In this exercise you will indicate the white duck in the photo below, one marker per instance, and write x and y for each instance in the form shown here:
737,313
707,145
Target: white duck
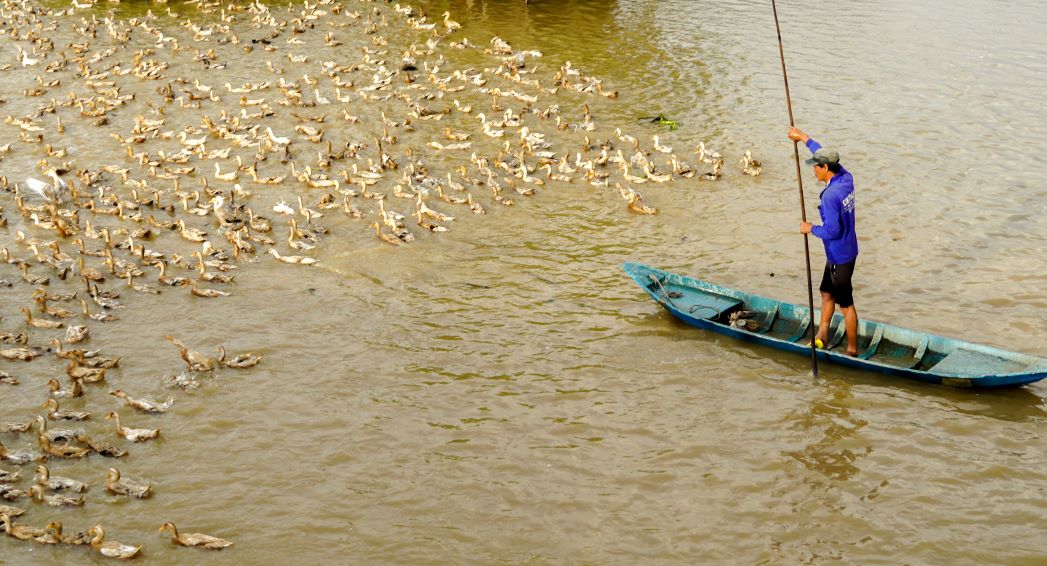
110,549
53,192
144,404
132,434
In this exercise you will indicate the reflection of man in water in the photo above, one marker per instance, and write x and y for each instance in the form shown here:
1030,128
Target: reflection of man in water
838,236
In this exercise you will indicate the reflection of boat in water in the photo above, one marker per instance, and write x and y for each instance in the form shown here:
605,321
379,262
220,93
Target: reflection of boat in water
882,347
828,421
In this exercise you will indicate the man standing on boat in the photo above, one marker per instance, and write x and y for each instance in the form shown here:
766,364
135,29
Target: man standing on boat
838,236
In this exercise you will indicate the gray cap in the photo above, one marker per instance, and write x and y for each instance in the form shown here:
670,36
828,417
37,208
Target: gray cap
824,156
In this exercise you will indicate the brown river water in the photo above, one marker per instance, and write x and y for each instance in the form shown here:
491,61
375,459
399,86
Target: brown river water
502,392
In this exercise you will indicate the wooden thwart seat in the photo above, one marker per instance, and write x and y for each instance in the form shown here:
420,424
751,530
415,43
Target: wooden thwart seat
837,337
802,328
766,319
921,351
873,344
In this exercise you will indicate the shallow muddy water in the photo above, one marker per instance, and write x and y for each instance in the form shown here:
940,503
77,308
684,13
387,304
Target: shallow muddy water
502,392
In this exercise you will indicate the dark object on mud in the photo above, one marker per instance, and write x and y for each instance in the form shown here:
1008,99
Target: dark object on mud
661,120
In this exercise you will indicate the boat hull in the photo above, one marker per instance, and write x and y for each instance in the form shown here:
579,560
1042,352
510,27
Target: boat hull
883,348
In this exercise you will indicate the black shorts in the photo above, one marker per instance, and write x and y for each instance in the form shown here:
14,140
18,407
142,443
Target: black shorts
837,282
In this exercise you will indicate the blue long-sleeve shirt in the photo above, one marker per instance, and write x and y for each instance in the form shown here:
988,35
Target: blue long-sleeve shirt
836,208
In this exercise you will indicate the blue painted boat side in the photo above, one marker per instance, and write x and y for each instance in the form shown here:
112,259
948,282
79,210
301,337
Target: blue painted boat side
960,363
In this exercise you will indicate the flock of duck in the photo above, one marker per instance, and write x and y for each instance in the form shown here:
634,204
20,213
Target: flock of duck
47,489
173,192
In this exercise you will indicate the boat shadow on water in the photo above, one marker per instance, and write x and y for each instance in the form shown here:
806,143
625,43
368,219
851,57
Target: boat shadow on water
1016,404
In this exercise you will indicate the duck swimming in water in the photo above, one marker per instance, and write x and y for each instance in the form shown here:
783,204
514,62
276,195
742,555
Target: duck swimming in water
20,532
11,493
16,427
191,234
9,338
75,389
428,225
41,298
101,448
54,192
299,259
388,238
195,361
659,147
102,316
259,223
49,536
57,413
141,287
110,549
90,359
132,434
451,25
206,293
172,281
39,322
75,334
195,539
61,450
11,511
749,165
144,405
57,483
635,201
117,486
24,353
90,273
56,500
240,361
54,435
19,458
33,279
55,529
204,275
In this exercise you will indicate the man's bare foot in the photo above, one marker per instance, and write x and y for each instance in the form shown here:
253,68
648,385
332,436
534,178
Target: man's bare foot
853,354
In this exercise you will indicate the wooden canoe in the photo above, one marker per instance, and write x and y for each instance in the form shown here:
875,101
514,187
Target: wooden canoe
881,347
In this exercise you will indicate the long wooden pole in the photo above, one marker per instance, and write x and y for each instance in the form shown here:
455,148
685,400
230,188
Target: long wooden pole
799,184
